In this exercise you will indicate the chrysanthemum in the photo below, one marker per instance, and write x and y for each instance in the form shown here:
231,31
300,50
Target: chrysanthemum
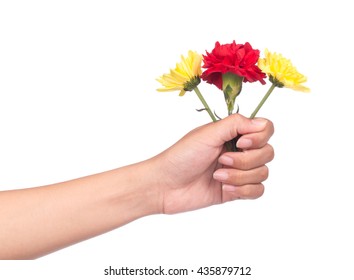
186,75
281,72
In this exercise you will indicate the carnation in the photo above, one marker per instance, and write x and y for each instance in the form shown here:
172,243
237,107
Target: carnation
239,59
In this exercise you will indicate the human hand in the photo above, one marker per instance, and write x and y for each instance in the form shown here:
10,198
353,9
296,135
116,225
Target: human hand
197,172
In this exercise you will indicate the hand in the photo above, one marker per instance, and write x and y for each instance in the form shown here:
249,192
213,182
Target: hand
197,172
193,173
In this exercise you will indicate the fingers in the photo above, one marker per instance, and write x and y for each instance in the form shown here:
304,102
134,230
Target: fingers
241,177
251,191
248,159
242,173
257,139
258,130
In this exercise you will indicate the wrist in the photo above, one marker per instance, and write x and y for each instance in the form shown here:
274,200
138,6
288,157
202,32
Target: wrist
137,185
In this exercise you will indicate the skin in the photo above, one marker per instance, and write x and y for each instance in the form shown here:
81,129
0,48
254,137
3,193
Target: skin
195,172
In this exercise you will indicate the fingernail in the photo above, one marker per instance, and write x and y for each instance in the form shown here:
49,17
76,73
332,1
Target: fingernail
259,122
220,175
244,143
228,188
226,160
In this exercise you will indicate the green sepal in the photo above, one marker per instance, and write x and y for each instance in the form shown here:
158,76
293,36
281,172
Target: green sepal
231,86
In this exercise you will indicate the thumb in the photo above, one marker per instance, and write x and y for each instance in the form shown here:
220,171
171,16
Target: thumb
236,124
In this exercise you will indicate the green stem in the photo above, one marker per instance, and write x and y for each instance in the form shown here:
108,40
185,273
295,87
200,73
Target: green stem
229,112
262,101
206,106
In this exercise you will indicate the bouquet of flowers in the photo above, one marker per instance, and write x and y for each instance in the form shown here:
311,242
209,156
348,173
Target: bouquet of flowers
227,67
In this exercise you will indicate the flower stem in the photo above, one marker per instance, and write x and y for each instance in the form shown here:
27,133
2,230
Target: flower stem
206,106
263,100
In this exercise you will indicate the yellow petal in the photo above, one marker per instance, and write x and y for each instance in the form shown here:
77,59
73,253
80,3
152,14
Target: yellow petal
281,68
184,72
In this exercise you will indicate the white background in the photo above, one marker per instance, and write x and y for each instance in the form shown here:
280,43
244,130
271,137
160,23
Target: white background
78,96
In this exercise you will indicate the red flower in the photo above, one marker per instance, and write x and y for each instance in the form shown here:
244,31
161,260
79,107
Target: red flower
238,59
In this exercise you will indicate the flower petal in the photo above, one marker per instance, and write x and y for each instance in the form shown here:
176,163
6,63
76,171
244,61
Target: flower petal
184,73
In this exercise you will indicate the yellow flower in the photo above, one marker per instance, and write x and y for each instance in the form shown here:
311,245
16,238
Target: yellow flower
186,75
281,72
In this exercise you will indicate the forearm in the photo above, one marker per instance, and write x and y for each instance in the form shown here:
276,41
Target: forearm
40,220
